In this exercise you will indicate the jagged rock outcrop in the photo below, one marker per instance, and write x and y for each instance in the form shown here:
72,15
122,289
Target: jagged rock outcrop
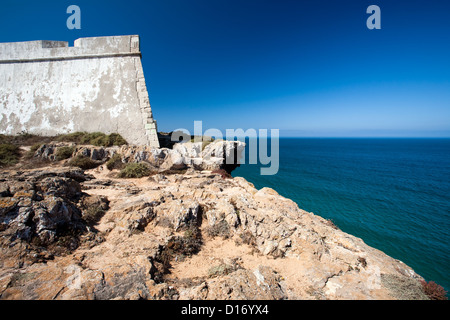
216,155
39,209
182,236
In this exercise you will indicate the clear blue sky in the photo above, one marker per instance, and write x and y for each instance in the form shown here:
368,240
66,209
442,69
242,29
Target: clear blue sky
309,68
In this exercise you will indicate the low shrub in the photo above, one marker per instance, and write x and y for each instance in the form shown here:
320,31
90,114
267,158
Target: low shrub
115,162
187,245
72,137
94,138
434,291
173,171
9,154
219,229
135,170
35,147
220,270
102,140
116,139
27,139
94,208
248,238
63,153
83,162
24,139
177,248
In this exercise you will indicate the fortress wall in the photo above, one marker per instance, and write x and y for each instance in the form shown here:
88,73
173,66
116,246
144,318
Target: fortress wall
49,88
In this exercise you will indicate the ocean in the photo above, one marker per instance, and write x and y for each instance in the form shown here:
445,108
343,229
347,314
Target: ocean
392,193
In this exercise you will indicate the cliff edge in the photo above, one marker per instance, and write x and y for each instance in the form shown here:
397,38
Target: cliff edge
73,234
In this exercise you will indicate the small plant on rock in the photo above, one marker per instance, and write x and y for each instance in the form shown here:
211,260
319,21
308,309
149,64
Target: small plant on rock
94,138
83,162
115,162
116,139
33,149
63,153
219,229
434,291
9,154
135,170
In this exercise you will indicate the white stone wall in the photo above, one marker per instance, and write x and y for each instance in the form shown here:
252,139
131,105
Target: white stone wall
49,88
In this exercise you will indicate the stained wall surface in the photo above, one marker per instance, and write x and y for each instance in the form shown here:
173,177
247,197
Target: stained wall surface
49,88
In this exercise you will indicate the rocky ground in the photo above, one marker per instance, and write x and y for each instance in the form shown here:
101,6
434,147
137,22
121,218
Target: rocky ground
71,234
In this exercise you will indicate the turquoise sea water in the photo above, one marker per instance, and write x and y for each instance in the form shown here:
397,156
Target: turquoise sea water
392,193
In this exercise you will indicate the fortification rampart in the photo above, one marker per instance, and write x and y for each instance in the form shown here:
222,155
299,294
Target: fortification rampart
49,88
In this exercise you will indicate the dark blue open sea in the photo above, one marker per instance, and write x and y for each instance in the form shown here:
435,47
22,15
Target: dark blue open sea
392,193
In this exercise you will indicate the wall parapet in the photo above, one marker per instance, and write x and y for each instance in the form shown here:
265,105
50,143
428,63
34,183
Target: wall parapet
84,48
49,88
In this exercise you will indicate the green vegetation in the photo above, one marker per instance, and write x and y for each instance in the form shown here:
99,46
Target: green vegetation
9,154
93,208
19,278
10,147
116,139
35,147
403,287
115,162
186,246
83,162
220,270
93,214
63,153
95,138
76,137
219,229
24,139
135,170
30,154
173,171
177,248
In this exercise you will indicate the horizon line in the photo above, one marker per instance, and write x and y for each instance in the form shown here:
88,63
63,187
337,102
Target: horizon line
347,137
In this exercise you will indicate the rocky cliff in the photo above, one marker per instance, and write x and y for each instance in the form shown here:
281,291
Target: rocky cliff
73,234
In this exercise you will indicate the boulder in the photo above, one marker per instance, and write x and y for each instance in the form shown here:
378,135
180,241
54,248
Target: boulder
216,155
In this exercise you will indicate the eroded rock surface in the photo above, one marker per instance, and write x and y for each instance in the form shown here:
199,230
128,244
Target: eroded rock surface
196,155
66,234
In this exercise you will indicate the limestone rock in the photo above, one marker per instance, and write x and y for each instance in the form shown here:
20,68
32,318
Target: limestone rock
216,155
41,208
190,236
263,283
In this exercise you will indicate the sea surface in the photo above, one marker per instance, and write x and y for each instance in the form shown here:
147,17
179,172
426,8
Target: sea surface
392,193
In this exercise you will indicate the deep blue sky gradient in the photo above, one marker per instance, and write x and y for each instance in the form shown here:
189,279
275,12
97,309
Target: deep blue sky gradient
308,68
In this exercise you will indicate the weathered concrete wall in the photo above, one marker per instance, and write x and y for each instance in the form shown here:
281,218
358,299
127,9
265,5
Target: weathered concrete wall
48,88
